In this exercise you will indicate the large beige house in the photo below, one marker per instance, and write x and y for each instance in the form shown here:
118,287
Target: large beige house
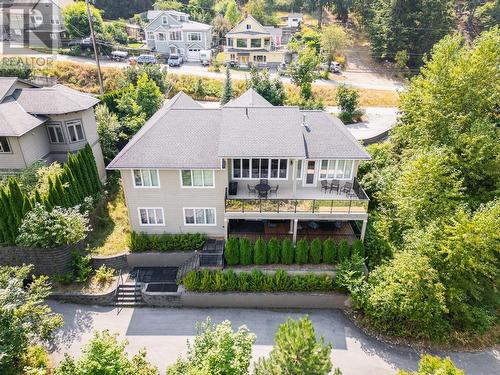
251,44
246,168
44,124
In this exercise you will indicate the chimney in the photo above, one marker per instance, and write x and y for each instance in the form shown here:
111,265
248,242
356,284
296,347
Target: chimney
304,123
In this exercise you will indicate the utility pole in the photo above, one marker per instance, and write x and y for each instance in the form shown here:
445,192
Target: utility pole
92,35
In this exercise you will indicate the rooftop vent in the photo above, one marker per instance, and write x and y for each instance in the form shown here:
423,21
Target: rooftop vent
304,123
246,112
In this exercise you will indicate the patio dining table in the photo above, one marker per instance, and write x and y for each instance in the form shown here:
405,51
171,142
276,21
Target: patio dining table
262,189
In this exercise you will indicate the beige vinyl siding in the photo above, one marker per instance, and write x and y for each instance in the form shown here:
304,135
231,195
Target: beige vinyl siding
89,128
173,199
35,144
14,159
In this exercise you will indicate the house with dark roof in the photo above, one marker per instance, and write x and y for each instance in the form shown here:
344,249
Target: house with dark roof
245,169
44,123
35,23
251,44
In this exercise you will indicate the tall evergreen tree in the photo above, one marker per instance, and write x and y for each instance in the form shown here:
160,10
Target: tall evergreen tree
16,198
227,90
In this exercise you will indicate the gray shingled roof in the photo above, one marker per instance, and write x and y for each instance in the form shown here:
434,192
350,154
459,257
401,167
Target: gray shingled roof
327,135
182,134
5,85
261,131
14,121
54,100
249,98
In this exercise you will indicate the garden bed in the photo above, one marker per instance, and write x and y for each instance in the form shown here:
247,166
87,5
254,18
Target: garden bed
88,293
292,269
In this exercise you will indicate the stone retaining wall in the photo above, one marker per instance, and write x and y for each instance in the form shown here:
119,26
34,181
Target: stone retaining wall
161,299
45,261
113,261
104,299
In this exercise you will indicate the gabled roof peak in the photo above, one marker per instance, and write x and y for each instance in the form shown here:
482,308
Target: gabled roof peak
249,98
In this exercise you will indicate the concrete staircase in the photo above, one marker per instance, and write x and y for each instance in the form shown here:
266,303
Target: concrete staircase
129,295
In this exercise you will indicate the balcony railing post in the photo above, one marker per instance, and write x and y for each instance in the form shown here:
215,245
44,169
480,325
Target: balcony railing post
350,203
278,206
295,208
260,205
314,204
242,206
331,206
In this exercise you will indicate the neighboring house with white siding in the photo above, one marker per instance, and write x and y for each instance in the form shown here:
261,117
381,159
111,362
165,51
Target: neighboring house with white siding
44,124
247,168
171,32
35,23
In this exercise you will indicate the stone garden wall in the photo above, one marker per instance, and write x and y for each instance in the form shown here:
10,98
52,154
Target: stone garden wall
45,261
113,261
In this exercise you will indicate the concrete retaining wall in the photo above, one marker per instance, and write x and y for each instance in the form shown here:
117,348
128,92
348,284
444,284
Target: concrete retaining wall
114,261
292,300
45,261
173,259
266,300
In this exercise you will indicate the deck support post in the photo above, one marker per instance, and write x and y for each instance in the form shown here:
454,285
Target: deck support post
291,227
226,228
295,225
363,230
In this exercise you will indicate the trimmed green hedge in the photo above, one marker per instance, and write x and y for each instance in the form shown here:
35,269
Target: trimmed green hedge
241,251
228,281
139,242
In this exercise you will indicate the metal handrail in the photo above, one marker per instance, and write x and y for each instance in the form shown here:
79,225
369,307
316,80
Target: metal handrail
187,266
120,278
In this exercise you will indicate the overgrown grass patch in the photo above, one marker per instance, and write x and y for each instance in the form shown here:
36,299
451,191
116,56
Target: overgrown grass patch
111,229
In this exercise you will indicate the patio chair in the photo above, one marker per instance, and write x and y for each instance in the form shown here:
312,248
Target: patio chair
251,189
274,190
324,185
347,188
335,184
264,181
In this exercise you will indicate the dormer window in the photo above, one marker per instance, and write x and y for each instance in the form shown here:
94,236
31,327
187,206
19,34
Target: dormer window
164,20
249,27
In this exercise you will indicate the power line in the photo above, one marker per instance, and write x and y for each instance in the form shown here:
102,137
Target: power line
91,25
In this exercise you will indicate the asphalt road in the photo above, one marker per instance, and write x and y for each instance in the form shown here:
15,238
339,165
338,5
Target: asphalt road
164,332
358,74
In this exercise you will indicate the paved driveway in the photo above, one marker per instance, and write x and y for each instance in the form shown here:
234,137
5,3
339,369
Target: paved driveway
163,332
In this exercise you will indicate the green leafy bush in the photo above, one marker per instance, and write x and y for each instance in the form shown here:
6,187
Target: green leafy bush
329,251
343,251
358,247
36,360
302,252
274,251
232,251
246,254
255,281
260,252
166,242
315,254
63,278
82,267
47,229
104,275
287,253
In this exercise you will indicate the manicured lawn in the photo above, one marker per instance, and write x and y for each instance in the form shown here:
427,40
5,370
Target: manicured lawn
110,233
135,45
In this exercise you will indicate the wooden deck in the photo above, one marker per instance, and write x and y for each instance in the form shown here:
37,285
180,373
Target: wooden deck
281,230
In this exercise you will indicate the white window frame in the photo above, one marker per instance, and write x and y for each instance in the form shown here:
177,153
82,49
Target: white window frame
249,26
156,219
55,125
159,38
175,32
268,169
150,35
204,215
142,178
2,151
330,168
298,175
203,178
164,20
189,34
74,123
